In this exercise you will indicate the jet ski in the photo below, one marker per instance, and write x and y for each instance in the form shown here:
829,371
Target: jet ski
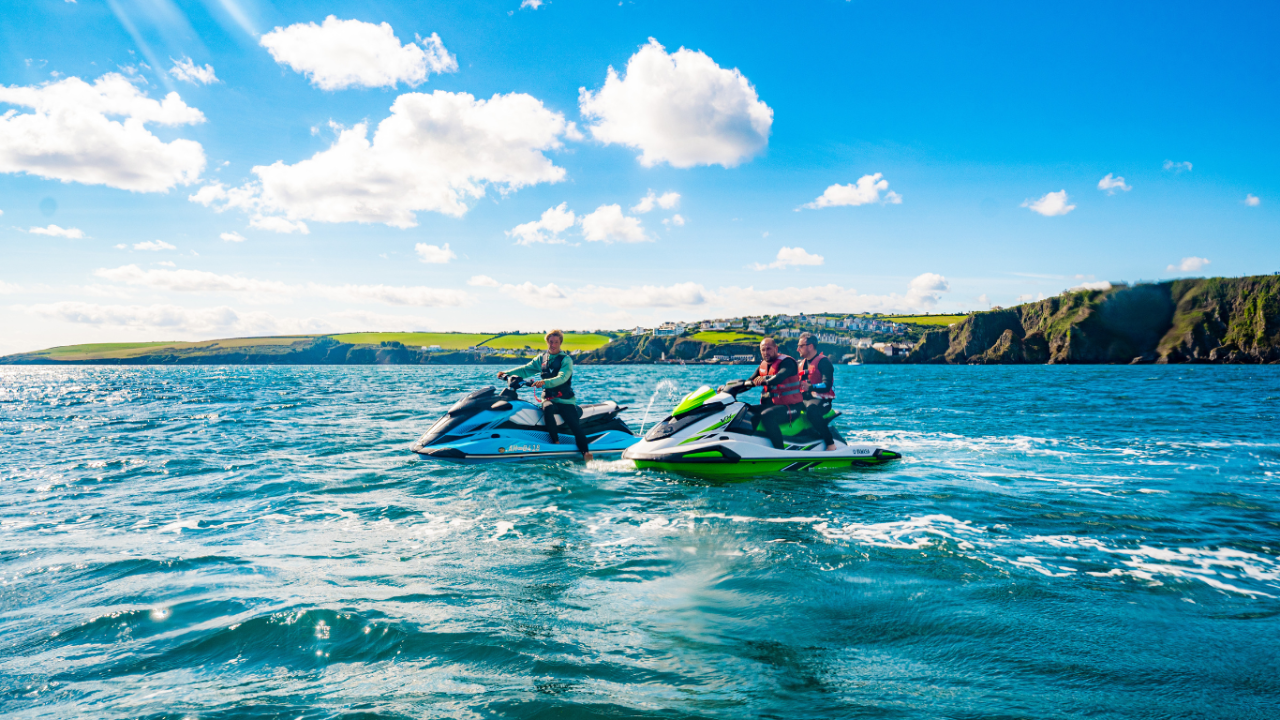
487,426
713,434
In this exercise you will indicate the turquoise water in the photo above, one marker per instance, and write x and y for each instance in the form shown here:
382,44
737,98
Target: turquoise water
256,542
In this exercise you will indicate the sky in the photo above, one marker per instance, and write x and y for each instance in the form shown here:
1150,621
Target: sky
214,168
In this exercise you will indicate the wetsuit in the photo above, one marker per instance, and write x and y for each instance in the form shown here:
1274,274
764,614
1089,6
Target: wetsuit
780,398
556,372
821,375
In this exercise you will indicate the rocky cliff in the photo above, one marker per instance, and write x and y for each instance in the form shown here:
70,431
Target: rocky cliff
1217,320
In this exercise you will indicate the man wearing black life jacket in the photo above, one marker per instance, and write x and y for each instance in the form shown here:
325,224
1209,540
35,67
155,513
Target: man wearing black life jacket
817,382
555,370
780,398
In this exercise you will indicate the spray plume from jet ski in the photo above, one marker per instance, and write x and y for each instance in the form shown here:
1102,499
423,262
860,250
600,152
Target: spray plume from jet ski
713,434
487,426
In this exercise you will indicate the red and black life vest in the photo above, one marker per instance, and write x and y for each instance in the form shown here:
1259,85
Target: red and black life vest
784,392
809,371
550,369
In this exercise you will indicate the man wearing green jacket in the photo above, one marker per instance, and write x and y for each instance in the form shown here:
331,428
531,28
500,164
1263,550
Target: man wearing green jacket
555,372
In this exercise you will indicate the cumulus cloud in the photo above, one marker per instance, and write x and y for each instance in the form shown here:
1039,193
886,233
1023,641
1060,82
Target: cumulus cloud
340,54
679,108
790,257
608,224
232,237
687,294
1051,204
925,290
214,320
866,191
1177,167
677,220
434,255
546,229
1252,200
482,281
153,246
1095,285
187,71
278,224
1112,184
1189,264
666,201
9,288
526,293
433,152
71,135
531,4
55,231
200,281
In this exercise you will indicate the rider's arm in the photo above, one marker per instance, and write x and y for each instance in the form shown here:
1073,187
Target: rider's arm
828,372
785,370
752,380
532,369
566,372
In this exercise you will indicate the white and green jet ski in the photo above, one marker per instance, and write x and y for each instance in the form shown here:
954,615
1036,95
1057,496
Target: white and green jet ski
713,434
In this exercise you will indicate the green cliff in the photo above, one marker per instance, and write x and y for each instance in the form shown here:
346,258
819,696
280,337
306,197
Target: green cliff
1213,320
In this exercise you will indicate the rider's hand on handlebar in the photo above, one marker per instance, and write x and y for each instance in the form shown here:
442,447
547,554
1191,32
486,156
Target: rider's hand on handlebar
539,383
502,374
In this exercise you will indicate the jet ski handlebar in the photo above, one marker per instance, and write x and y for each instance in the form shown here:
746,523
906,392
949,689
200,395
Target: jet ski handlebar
733,387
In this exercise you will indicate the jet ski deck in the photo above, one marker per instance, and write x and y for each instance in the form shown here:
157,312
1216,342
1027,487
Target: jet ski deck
713,434
486,426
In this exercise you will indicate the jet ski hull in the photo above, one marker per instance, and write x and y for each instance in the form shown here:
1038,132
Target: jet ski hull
523,446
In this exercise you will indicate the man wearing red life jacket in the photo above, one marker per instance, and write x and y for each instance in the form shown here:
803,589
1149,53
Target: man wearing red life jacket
780,399
817,381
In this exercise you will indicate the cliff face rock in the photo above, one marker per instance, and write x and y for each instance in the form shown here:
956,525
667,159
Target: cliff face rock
1235,320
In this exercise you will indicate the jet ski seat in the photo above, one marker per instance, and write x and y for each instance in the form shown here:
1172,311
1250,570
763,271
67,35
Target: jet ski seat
592,411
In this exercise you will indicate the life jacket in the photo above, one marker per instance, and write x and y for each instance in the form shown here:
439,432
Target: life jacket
809,371
783,392
550,369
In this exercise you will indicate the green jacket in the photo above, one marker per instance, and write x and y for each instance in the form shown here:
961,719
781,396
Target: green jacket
534,369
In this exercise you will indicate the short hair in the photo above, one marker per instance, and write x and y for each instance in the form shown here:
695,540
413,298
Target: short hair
768,339
555,333
806,338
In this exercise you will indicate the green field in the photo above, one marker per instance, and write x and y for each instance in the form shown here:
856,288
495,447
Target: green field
446,341
572,341
723,337
927,319
95,351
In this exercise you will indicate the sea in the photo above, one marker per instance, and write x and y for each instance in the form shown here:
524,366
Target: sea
259,542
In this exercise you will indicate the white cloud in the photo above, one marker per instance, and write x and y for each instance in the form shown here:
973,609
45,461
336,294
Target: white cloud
1252,200
433,152
9,288
790,257
526,293
158,317
666,201
153,246
984,300
687,294
924,290
55,231
1177,167
608,224
434,255
188,71
680,108
482,281
1111,185
278,224
339,54
71,136
1189,264
531,4
677,220
1051,204
233,237
546,229
866,191
1096,285
200,281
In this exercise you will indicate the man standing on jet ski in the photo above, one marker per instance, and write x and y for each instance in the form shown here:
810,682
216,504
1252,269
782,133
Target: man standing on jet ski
780,399
817,383
555,370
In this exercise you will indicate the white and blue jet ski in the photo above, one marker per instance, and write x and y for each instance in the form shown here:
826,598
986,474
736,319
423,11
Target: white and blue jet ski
487,426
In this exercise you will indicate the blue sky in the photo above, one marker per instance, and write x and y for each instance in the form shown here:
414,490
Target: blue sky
942,137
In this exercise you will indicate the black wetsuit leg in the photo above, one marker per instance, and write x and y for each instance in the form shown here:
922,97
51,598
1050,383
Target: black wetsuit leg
814,409
570,415
772,418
